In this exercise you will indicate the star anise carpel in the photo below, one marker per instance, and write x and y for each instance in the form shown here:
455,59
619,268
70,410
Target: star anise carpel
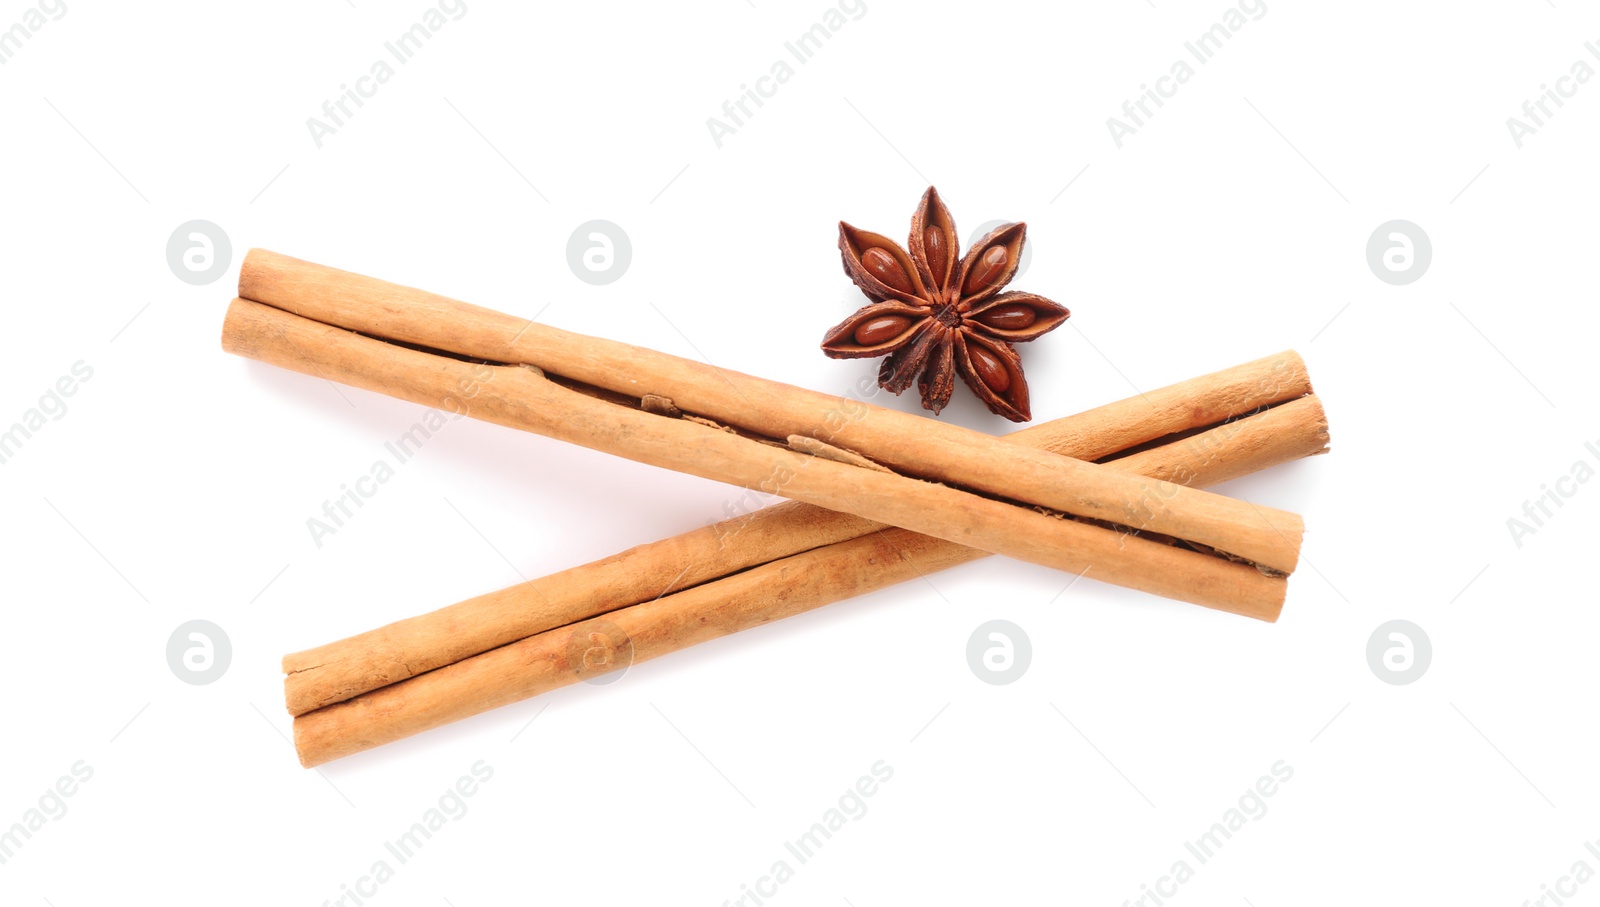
936,314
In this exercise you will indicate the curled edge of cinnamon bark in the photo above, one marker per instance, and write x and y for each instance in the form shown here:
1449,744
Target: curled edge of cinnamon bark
781,588
908,444
346,668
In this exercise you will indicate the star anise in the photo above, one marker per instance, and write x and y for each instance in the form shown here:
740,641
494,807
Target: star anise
935,317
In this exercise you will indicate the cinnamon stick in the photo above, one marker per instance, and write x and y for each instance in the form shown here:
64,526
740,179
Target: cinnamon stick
908,444
525,398
784,587
340,670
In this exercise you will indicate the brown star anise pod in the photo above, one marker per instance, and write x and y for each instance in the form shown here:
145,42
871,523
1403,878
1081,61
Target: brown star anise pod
934,316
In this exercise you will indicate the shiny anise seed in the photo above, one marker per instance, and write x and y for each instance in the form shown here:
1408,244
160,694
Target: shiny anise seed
887,269
933,243
1013,316
883,328
990,369
986,269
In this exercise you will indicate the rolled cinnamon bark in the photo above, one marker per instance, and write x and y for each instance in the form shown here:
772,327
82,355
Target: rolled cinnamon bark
524,398
908,444
340,670
781,588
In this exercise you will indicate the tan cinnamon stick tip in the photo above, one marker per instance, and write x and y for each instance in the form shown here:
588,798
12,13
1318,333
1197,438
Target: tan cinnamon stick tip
1271,611
252,269
258,267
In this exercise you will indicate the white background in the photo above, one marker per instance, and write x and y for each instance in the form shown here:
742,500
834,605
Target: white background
1233,224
